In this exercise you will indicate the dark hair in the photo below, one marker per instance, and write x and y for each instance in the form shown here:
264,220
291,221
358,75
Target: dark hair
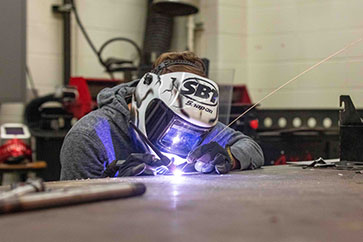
196,65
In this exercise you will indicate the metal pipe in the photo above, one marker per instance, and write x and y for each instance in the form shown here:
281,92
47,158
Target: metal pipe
66,44
69,196
176,7
190,28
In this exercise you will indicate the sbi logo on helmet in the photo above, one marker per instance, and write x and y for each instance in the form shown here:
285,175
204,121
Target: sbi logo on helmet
200,90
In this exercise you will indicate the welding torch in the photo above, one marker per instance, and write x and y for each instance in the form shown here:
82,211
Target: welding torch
164,159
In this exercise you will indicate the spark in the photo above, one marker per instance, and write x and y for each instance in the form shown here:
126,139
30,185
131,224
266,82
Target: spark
177,177
177,172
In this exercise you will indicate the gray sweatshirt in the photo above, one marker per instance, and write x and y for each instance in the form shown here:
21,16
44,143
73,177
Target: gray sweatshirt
103,136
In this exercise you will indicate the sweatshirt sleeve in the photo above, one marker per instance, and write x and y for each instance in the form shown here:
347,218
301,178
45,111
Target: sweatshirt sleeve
243,148
81,157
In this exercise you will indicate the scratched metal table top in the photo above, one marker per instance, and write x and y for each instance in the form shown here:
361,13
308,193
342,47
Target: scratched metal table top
271,204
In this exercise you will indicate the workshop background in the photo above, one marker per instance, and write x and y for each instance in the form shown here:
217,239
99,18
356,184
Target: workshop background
256,45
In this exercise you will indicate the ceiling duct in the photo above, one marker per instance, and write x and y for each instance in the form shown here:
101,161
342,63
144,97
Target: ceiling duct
176,7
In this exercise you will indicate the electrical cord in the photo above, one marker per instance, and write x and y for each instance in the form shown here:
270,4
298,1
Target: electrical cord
98,53
103,46
31,81
83,30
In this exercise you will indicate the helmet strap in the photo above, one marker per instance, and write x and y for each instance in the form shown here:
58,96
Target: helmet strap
165,64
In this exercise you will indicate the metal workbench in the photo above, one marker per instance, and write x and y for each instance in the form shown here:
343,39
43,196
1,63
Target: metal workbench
277,203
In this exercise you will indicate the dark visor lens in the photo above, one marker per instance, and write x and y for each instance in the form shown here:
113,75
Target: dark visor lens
181,138
170,133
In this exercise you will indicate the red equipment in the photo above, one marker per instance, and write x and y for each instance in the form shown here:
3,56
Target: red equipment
240,95
88,88
15,151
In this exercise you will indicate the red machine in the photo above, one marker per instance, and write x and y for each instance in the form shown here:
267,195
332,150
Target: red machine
15,151
87,88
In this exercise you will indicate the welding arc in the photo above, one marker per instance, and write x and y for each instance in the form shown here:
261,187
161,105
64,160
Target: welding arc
291,80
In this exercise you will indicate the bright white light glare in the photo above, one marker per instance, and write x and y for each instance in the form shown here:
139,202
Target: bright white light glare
176,139
177,177
177,172
176,159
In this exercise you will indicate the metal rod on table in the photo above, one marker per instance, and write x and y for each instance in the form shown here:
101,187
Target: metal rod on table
30,186
62,197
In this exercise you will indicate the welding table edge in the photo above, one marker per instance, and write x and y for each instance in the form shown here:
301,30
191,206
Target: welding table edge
99,181
259,177
249,200
265,170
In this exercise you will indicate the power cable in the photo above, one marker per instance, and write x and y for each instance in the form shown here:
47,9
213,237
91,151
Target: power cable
83,30
31,81
98,53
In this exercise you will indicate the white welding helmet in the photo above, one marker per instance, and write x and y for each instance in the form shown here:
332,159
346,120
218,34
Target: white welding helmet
175,110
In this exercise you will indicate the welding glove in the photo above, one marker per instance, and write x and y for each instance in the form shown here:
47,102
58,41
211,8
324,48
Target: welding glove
134,165
211,157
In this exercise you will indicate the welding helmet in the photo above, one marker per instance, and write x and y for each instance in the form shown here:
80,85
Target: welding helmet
175,110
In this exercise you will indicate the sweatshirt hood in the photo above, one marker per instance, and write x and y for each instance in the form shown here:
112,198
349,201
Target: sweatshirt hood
114,99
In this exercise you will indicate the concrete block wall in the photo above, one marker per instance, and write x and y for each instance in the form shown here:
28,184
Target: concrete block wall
268,42
102,19
44,53
224,39
285,37
264,43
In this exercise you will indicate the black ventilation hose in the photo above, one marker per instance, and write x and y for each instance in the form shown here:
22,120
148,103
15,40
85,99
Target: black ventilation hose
93,47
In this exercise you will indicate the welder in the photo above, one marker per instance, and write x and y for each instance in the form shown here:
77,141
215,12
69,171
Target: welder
171,111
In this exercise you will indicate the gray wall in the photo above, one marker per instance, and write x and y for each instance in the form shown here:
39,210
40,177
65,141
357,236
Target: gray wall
12,50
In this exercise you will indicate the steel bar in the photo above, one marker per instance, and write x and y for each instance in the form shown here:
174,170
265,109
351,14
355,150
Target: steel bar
69,196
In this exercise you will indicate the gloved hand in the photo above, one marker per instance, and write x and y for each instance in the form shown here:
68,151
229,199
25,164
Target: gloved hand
134,165
211,157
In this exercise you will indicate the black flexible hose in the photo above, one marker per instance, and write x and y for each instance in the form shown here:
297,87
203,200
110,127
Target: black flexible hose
98,53
119,39
83,30
31,81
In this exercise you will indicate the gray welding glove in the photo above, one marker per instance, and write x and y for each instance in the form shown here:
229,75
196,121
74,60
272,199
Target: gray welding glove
210,157
134,165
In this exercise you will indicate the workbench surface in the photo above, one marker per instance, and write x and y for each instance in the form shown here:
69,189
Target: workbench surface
280,203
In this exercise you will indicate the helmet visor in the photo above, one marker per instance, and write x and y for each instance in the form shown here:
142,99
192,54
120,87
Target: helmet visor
169,132
180,137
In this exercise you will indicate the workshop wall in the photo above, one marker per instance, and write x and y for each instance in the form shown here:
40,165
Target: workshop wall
224,39
267,43
220,36
285,37
263,42
44,54
102,20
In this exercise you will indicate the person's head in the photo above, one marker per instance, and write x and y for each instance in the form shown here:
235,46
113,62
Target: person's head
175,105
185,61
